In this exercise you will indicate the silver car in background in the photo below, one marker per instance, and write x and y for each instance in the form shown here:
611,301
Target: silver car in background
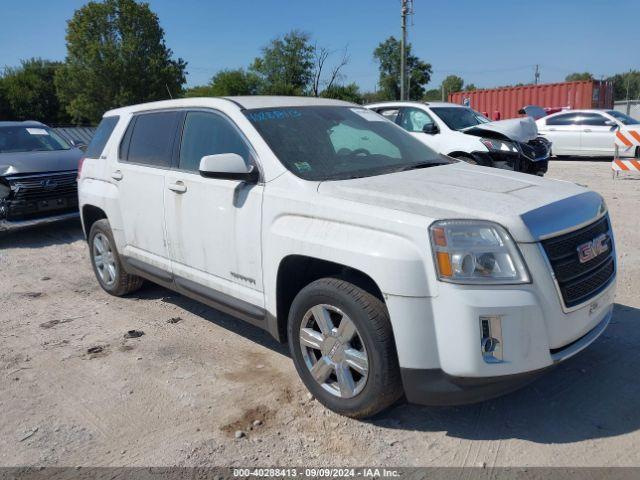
586,133
38,170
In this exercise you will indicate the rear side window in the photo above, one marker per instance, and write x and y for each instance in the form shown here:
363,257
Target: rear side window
390,114
101,137
414,119
566,119
150,139
208,134
593,119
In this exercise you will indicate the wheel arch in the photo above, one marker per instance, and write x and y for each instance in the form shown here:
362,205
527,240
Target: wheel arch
90,215
297,271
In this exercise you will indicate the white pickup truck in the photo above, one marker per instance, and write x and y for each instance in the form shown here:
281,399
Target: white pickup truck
390,270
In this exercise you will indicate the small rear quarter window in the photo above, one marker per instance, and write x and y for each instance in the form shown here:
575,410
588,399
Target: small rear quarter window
101,137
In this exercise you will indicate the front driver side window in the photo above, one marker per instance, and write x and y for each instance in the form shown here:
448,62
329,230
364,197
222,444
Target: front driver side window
414,119
208,134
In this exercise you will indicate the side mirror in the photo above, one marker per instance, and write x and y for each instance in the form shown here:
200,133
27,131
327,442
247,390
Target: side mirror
228,166
430,128
611,123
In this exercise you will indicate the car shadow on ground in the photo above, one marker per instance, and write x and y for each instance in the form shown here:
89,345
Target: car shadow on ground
239,327
593,395
582,159
59,233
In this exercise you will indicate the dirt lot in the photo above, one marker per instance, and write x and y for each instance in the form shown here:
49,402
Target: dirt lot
178,394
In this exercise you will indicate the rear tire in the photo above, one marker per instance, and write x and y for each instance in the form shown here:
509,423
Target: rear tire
106,262
342,345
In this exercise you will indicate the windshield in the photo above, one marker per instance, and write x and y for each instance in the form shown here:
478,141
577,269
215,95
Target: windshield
336,143
621,117
30,139
457,118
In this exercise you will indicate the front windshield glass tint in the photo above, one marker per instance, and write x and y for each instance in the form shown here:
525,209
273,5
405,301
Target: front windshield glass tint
333,143
457,118
30,139
621,117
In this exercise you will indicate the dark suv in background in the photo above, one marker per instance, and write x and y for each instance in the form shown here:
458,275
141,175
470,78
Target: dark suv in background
38,170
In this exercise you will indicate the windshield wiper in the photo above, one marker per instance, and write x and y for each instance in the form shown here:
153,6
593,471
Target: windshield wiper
415,166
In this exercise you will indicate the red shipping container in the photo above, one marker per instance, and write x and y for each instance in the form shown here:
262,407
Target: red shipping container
507,101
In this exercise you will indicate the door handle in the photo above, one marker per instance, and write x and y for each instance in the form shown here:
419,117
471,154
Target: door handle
586,130
117,175
177,187
552,129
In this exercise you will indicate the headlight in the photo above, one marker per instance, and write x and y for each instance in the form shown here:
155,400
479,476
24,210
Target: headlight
498,145
476,252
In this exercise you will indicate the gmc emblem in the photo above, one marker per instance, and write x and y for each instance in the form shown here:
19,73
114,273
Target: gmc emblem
590,250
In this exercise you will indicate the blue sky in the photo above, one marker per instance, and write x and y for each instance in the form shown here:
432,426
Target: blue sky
489,43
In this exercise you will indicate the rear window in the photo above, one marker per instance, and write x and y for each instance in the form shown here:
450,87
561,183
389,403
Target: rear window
151,137
101,137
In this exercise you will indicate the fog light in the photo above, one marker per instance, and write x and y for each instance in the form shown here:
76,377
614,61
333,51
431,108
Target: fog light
491,338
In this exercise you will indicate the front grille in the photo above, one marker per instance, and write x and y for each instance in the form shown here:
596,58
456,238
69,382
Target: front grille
536,149
40,195
578,282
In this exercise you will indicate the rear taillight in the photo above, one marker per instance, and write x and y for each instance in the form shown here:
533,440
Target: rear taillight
80,167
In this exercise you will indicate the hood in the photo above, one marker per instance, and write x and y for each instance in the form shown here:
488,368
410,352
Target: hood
458,191
39,162
518,129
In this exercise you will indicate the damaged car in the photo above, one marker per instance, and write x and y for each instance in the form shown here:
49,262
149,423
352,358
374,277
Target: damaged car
38,170
463,133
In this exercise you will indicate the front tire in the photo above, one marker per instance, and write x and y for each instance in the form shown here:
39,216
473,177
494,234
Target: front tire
106,262
342,345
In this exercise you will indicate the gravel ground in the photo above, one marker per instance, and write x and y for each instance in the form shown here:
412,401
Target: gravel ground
178,394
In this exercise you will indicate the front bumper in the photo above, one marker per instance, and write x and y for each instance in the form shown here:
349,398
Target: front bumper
434,387
6,225
512,161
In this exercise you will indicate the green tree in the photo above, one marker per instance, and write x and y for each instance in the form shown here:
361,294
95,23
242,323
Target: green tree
626,82
5,110
225,83
199,91
432,95
349,93
29,92
452,84
286,65
470,88
116,55
387,54
577,76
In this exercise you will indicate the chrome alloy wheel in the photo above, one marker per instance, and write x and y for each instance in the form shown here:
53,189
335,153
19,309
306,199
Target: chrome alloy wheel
334,351
104,260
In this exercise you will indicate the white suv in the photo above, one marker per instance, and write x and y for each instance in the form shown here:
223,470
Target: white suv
389,269
463,133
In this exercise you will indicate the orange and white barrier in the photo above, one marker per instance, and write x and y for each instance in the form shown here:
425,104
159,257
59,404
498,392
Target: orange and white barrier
626,141
625,165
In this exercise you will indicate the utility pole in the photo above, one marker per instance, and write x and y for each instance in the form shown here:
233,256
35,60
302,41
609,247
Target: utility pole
403,47
536,76
405,11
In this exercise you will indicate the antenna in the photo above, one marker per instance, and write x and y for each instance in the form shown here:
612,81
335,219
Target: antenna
168,91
